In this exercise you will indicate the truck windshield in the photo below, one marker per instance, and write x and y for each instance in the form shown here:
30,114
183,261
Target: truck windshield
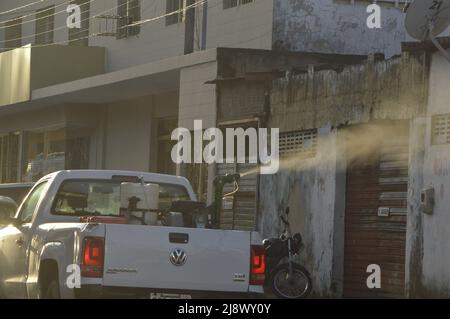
102,198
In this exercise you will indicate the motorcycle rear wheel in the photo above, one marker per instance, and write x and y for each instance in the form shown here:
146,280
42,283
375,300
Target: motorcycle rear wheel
297,287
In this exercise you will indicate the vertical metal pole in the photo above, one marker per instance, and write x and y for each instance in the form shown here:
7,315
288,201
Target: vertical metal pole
204,25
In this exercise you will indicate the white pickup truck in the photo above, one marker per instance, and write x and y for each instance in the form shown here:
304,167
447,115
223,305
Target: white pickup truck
73,220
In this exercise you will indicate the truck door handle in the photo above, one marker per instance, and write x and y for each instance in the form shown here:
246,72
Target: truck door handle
20,242
179,238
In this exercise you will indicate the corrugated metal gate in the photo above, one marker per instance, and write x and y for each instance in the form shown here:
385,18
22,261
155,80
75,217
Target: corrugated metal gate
375,217
239,211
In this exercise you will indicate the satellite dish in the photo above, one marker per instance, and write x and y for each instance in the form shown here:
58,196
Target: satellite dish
426,19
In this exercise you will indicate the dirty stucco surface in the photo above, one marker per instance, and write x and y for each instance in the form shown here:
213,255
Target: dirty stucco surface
310,194
315,189
390,89
335,26
428,256
436,173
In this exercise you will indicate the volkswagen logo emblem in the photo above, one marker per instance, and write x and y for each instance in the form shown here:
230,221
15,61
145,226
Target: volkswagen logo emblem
178,257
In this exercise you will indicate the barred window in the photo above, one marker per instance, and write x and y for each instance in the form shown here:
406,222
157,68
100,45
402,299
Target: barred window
129,12
13,33
390,3
234,3
298,142
178,10
45,23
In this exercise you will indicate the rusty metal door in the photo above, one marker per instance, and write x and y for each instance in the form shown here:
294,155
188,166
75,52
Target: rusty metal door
376,214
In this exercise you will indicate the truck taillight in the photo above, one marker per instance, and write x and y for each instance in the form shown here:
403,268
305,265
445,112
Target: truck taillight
258,266
93,257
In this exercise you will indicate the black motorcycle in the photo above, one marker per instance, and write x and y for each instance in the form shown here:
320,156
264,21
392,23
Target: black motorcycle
284,277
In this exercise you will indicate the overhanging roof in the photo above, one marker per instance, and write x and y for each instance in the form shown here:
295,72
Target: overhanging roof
154,77
164,76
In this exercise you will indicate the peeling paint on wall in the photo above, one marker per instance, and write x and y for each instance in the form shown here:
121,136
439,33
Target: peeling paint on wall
310,193
328,100
332,27
388,89
435,227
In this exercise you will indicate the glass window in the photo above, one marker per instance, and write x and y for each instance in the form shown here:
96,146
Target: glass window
178,8
79,197
44,152
102,198
9,158
13,33
171,193
129,11
29,206
44,25
50,150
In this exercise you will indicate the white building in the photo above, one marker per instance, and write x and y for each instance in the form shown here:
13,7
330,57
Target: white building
137,69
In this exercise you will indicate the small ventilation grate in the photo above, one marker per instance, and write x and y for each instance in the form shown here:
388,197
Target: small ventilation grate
441,129
298,142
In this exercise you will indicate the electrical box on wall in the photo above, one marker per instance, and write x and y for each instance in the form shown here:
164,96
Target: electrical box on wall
427,200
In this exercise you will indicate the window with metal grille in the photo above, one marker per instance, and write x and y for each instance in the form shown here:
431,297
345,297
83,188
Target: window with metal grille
177,8
390,3
45,23
13,33
128,12
440,129
234,3
298,142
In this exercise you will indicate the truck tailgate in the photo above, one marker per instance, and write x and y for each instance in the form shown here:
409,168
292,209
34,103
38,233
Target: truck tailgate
176,258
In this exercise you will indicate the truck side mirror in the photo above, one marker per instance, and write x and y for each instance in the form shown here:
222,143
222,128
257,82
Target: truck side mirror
8,208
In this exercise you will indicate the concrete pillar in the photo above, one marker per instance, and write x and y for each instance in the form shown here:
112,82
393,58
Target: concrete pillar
414,231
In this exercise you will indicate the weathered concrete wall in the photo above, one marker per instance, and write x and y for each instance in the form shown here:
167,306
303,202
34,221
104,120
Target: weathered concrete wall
388,89
333,26
244,77
249,63
244,26
436,171
414,233
314,194
315,188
